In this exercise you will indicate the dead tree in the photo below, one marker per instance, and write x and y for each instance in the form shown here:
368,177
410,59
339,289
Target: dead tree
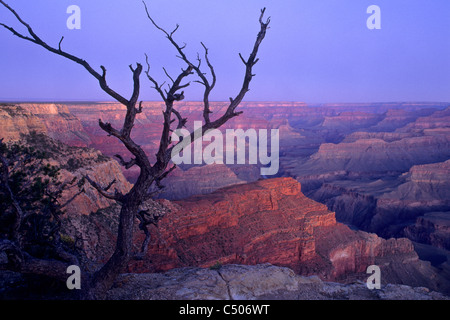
150,173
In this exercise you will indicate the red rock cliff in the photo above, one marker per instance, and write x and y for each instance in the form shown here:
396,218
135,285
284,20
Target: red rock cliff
265,221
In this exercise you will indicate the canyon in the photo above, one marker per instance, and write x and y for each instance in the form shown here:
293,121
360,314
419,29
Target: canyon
35,126
351,157
267,221
359,184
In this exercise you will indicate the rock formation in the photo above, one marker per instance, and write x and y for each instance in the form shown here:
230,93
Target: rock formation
228,282
267,221
264,221
61,124
431,228
199,180
21,124
383,205
77,162
16,121
55,120
259,282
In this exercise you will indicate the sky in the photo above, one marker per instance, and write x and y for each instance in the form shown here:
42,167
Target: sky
316,51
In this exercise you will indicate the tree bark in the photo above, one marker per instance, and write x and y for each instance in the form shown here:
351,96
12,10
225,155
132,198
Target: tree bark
104,278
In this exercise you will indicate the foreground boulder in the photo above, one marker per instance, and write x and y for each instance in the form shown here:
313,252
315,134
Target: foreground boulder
259,282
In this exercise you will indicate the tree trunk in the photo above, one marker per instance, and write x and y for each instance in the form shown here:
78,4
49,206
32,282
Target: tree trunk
104,278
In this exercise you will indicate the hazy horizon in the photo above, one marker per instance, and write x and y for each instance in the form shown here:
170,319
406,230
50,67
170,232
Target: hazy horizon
222,101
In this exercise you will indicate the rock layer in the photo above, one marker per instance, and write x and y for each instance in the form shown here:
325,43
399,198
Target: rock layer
16,121
264,221
55,120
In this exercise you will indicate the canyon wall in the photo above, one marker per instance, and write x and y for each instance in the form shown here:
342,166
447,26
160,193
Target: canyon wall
31,125
267,221
16,121
53,119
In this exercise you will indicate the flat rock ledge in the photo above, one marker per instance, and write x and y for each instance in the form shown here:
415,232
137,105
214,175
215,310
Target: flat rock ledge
259,282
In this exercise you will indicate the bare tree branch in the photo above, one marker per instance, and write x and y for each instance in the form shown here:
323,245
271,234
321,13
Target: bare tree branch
163,176
146,219
168,76
107,127
59,44
35,39
208,87
126,164
139,109
234,102
104,191
65,204
156,86
20,261
181,121
204,81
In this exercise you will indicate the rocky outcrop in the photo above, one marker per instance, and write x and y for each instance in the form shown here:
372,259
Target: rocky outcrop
384,205
34,124
397,118
259,282
182,184
102,171
425,189
264,221
376,155
77,162
57,120
438,119
351,120
425,183
316,131
228,282
385,136
382,178
60,122
352,207
148,125
345,254
16,121
432,228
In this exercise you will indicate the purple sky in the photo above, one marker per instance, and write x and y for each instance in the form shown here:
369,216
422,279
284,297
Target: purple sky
315,51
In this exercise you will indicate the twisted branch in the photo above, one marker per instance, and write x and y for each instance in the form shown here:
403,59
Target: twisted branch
117,196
